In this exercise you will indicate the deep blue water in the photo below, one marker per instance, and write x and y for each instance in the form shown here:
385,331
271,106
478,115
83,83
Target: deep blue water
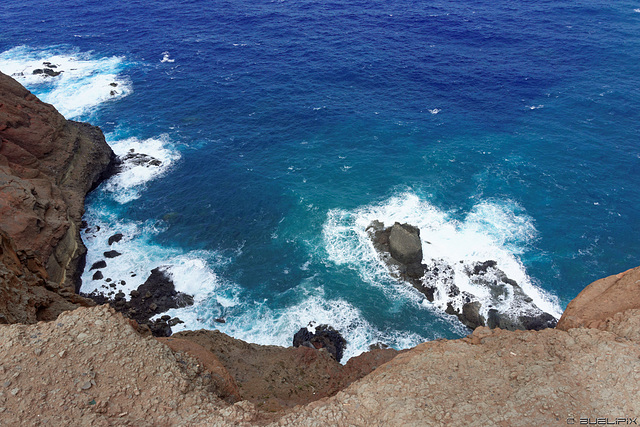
502,127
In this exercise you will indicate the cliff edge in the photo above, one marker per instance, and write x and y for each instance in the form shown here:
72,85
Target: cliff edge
47,166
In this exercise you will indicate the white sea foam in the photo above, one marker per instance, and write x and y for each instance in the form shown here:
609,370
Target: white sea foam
260,324
143,161
165,57
492,230
192,272
85,80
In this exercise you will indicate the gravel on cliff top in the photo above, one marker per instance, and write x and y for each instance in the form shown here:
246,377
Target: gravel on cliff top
89,367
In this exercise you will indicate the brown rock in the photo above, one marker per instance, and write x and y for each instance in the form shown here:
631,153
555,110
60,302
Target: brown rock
601,300
47,166
224,384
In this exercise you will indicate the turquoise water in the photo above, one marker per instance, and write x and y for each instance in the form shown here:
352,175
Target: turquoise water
505,131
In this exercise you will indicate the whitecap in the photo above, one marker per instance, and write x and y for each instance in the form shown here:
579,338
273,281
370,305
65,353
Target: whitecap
493,230
84,82
165,57
258,323
142,161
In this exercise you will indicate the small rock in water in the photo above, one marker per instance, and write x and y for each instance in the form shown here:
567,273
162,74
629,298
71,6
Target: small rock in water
100,264
112,254
115,238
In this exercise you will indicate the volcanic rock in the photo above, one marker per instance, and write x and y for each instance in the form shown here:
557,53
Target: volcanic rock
115,238
324,337
400,248
98,264
404,243
47,166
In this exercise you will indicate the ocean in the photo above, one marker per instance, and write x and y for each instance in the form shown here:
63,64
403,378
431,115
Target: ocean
506,131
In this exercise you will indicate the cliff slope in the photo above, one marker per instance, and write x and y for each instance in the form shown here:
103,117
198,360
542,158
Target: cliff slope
90,367
47,166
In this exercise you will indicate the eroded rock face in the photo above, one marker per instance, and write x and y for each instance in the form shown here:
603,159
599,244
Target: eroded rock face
47,166
276,378
25,294
400,248
602,299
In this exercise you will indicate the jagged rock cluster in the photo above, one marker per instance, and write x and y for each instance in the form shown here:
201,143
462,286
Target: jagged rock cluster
400,248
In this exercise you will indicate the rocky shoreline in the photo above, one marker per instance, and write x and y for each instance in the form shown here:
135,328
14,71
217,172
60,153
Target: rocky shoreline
400,248
66,361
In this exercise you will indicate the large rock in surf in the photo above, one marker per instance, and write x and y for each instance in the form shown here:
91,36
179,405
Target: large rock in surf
400,248
404,243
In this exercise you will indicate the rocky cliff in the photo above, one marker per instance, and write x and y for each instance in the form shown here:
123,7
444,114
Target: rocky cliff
91,366
47,166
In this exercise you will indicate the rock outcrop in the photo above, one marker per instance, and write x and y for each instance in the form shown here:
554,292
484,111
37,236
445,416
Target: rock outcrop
155,296
400,248
277,378
47,166
601,300
321,337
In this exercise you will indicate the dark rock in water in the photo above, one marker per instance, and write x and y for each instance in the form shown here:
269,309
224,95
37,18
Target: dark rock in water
404,243
156,295
174,321
324,337
112,254
539,322
114,84
99,264
405,259
49,72
97,275
139,159
219,320
400,248
115,238
482,267
471,316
